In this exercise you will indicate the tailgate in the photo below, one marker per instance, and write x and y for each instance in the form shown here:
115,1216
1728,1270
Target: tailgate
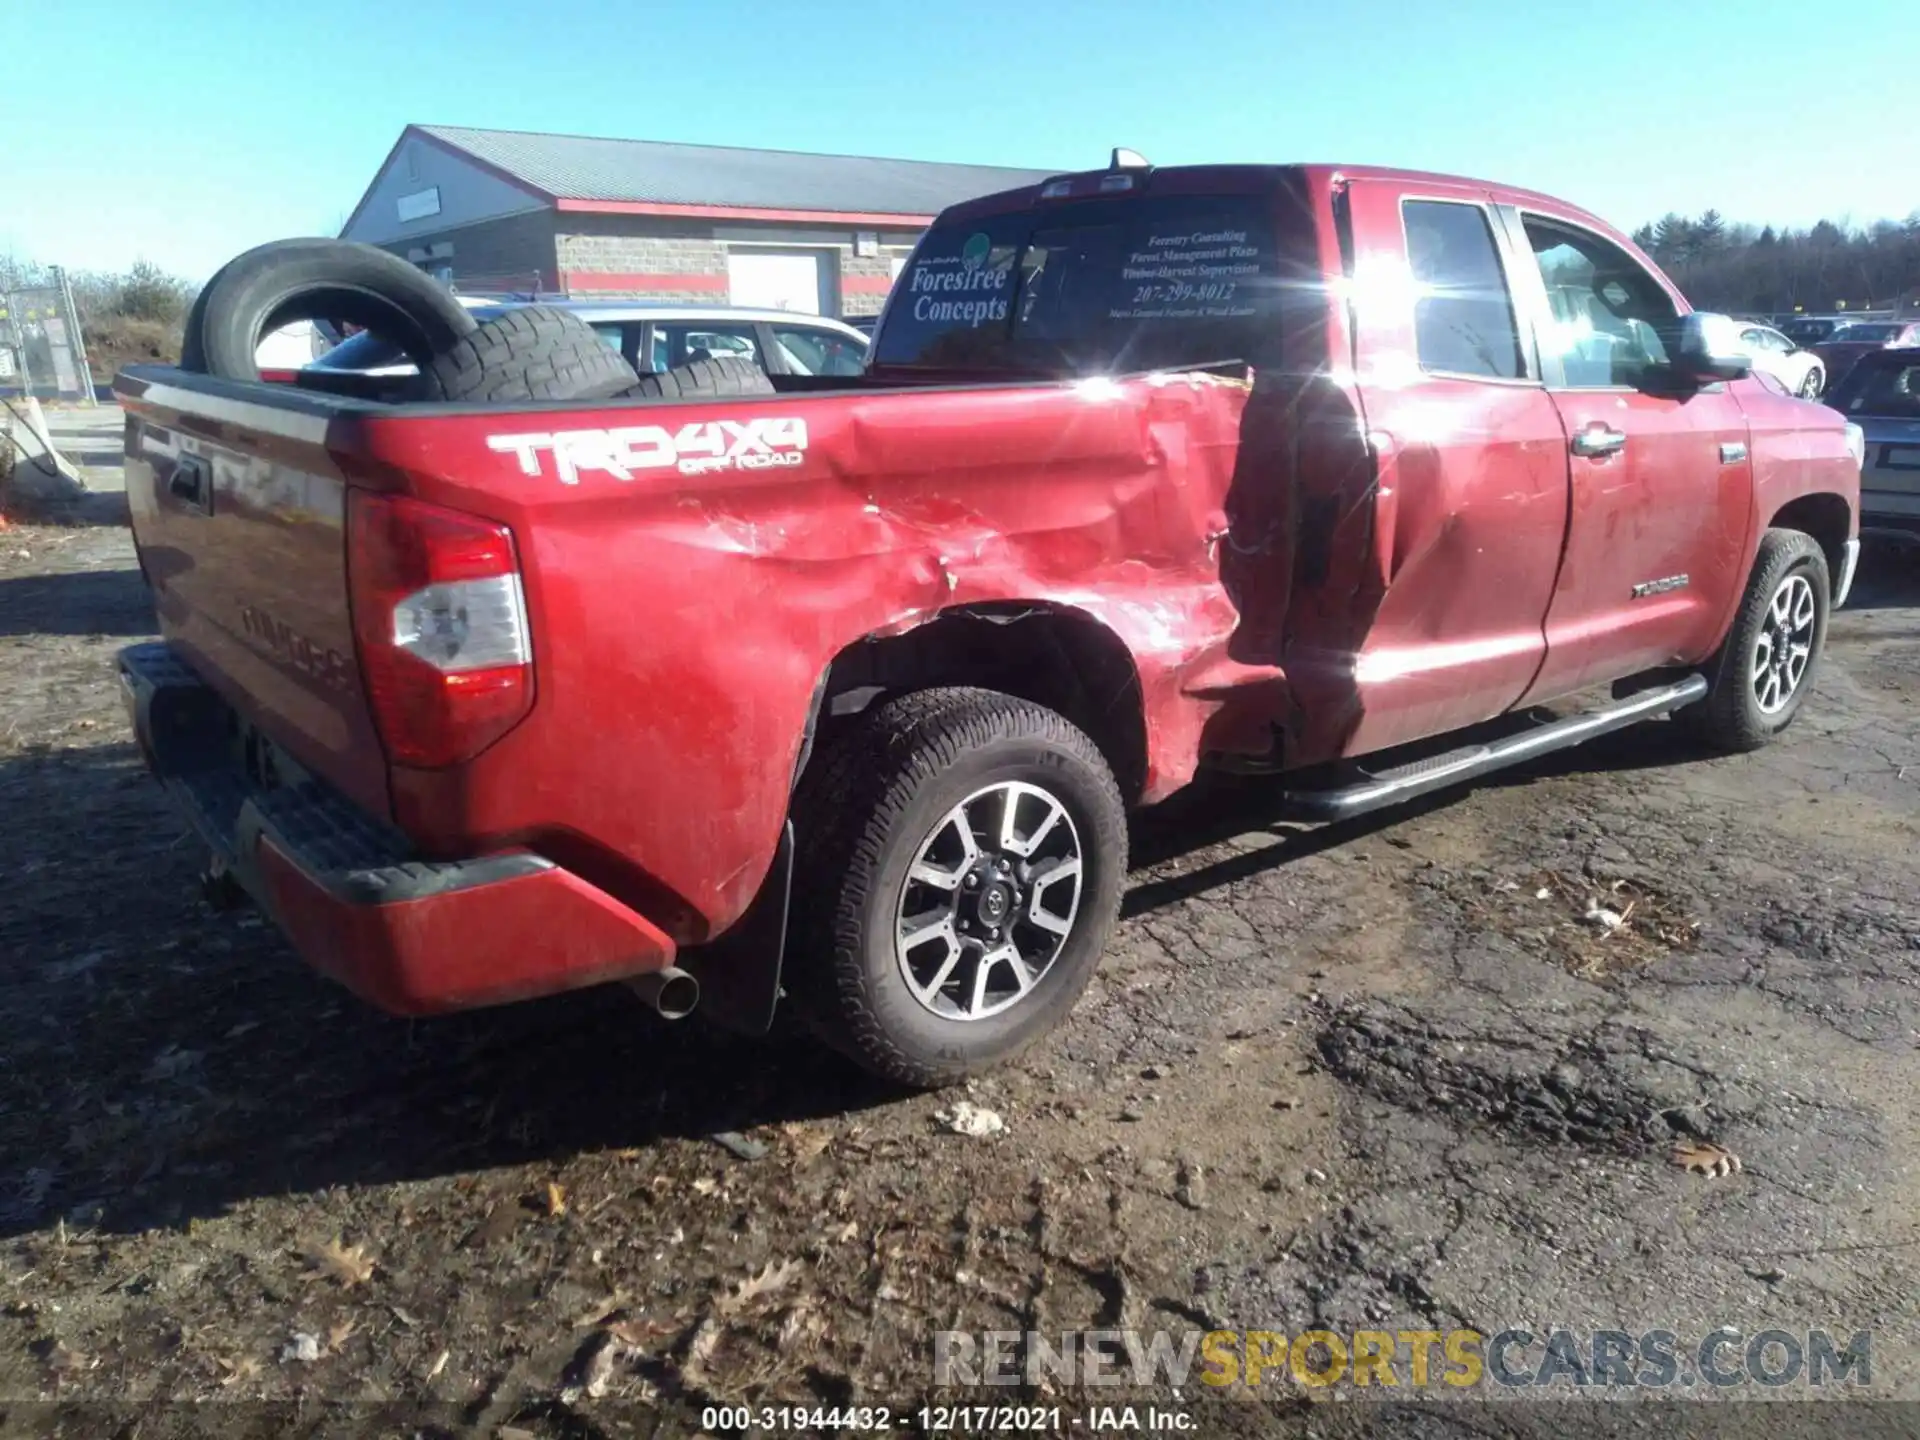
239,514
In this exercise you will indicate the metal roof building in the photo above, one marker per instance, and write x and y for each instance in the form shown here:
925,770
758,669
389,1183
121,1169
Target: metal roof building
495,210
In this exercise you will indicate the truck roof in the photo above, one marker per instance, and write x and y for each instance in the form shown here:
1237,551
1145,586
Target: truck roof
1202,178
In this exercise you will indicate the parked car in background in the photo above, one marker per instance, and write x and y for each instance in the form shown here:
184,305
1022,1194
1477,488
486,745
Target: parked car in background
660,336
298,345
1773,353
1847,345
1881,394
1807,331
292,347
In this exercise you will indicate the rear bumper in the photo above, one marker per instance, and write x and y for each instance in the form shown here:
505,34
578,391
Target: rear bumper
413,937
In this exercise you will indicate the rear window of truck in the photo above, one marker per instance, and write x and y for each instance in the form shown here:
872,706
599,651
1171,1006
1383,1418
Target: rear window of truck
1090,286
1880,387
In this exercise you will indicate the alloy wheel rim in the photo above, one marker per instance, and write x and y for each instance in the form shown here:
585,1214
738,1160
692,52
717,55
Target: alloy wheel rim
989,901
1784,648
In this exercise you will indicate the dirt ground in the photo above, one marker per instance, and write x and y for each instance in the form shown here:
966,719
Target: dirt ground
1382,1076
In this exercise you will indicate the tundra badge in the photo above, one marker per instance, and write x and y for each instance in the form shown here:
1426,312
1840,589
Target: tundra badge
1659,587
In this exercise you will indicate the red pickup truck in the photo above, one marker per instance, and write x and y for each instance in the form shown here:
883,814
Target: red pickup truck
842,692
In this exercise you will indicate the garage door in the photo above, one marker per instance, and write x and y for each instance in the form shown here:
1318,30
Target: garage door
774,281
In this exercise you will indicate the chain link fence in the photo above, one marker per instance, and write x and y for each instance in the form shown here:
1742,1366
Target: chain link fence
42,350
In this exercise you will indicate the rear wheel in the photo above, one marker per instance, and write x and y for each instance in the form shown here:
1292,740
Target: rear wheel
1767,664
1815,382
961,854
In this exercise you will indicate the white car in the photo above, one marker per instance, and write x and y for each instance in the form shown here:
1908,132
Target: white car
660,335
292,346
298,345
1774,354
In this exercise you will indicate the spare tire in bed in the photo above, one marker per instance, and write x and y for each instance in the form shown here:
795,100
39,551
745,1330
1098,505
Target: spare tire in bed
719,378
532,352
317,279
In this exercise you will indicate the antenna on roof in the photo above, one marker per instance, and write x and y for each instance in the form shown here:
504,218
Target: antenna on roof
1125,159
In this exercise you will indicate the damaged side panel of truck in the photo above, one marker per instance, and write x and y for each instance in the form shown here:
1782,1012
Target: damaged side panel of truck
703,622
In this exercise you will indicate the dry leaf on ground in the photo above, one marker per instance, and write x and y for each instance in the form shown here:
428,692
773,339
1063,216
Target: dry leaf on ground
246,1367
339,1334
602,1311
808,1142
1701,1158
773,1277
556,1199
596,1364
62,1359
803,1325
693,1365
349,1264
637,1335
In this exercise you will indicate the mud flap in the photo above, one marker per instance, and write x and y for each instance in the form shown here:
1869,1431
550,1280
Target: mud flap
739,973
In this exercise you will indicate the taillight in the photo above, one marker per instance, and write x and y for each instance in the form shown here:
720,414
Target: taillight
441,625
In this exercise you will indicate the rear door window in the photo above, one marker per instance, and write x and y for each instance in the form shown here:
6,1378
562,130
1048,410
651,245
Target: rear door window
808,351
1886,390
681,344
1091,286
1463,316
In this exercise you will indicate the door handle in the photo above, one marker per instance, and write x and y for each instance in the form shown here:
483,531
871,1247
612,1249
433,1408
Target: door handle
192,482
1598,440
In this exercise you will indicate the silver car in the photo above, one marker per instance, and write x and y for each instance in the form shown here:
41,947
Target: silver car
658,335
1881,394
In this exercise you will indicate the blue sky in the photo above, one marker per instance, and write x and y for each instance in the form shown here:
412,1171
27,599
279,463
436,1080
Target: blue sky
187,130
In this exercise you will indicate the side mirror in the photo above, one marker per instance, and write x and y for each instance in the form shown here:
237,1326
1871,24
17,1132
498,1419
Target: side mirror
1709,350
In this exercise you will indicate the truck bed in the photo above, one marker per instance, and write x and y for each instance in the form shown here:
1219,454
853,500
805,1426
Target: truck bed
690,572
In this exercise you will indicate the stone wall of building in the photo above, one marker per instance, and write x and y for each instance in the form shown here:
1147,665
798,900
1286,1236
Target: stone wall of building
655,257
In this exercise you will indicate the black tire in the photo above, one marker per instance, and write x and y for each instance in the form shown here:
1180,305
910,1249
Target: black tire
721,378
1733,715
273,285
533,352
867,806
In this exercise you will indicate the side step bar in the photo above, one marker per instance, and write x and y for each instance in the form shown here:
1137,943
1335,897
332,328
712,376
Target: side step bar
1405,782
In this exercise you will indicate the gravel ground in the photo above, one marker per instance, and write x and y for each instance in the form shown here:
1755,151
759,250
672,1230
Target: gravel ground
1385,1076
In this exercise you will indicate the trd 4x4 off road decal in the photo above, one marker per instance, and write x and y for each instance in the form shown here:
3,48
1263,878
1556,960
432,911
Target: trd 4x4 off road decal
696,448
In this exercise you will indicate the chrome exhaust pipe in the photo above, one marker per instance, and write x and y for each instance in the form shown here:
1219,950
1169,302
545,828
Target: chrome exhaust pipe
672,992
